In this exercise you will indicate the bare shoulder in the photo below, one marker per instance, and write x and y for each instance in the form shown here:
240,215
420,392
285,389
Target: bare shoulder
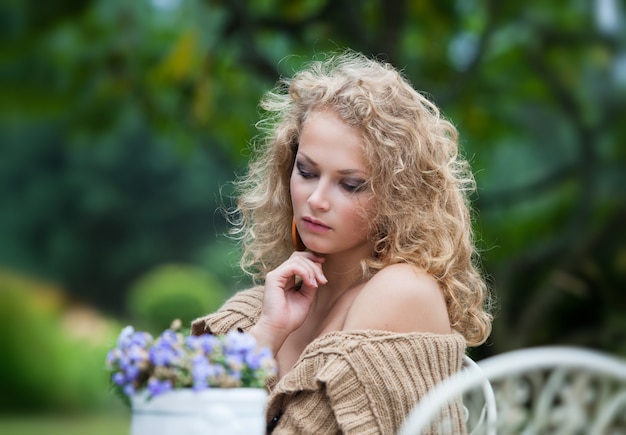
400,298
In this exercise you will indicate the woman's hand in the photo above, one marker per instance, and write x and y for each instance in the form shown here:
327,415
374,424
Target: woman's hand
289,293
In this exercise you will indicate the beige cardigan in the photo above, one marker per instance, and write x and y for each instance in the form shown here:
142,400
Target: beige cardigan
359,382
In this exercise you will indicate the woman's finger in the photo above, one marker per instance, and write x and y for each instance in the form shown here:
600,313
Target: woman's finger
304,266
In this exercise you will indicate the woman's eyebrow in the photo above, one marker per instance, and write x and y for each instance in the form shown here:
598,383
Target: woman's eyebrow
308,159
351,172
312,162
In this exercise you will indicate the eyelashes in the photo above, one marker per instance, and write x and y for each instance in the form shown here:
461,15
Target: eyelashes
355,187
352,185
303,172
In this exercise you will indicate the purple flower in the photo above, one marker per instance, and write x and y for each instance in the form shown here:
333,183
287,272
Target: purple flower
125,336
168,337
156,387
237,342
132,371
167,350
112,356
136,353
141,339
256,359
174,361
205,343
192,342
119,378
131,345
202,370
162,354
129,389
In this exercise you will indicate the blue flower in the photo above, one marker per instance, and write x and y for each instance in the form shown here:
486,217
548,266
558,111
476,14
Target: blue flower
162,356
174,361
132,372
237,342
169,337
136,353
192,342
119,378
112,356
167,349
125,336
202,370
205,343
129,389
256,359
156,387
141,339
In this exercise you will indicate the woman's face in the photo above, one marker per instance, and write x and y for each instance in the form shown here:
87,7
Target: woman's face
329,186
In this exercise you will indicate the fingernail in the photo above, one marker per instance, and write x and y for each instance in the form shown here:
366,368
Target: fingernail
314,283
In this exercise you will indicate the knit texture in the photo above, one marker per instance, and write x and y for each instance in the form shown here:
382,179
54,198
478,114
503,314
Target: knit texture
239,312
353,382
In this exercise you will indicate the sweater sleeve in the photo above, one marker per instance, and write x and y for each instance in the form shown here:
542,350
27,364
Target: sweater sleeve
365,383
241,312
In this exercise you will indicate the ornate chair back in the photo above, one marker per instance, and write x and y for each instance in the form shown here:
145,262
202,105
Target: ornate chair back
556,390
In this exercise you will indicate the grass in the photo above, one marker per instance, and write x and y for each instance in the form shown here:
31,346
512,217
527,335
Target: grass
100,424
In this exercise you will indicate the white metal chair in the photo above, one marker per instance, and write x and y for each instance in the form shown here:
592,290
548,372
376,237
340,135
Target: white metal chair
486,412
544,390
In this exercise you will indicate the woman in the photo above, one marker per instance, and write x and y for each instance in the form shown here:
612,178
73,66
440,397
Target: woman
359,174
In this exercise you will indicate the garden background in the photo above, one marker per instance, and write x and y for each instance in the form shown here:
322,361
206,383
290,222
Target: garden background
124,121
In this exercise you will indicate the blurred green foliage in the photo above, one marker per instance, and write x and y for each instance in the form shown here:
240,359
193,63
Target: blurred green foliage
99,424
52,355
95,216
172,292
121,121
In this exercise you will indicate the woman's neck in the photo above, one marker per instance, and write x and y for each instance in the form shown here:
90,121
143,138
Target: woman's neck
343,274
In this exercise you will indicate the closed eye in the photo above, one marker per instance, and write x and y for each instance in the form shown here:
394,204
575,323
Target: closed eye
303,171
354,185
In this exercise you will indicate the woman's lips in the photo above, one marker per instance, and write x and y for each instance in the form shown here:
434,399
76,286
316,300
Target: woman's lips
315,225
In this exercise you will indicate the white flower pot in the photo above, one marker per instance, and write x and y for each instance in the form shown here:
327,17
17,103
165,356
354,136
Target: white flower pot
216,411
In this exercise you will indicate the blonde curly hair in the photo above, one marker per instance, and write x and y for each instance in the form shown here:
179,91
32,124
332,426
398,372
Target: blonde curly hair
419,182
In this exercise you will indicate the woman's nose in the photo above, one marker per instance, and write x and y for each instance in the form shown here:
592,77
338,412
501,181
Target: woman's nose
319,197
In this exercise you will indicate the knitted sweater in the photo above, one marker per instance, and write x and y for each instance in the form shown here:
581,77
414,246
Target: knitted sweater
359,382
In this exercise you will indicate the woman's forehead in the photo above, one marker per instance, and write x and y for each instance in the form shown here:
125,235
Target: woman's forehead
326,139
